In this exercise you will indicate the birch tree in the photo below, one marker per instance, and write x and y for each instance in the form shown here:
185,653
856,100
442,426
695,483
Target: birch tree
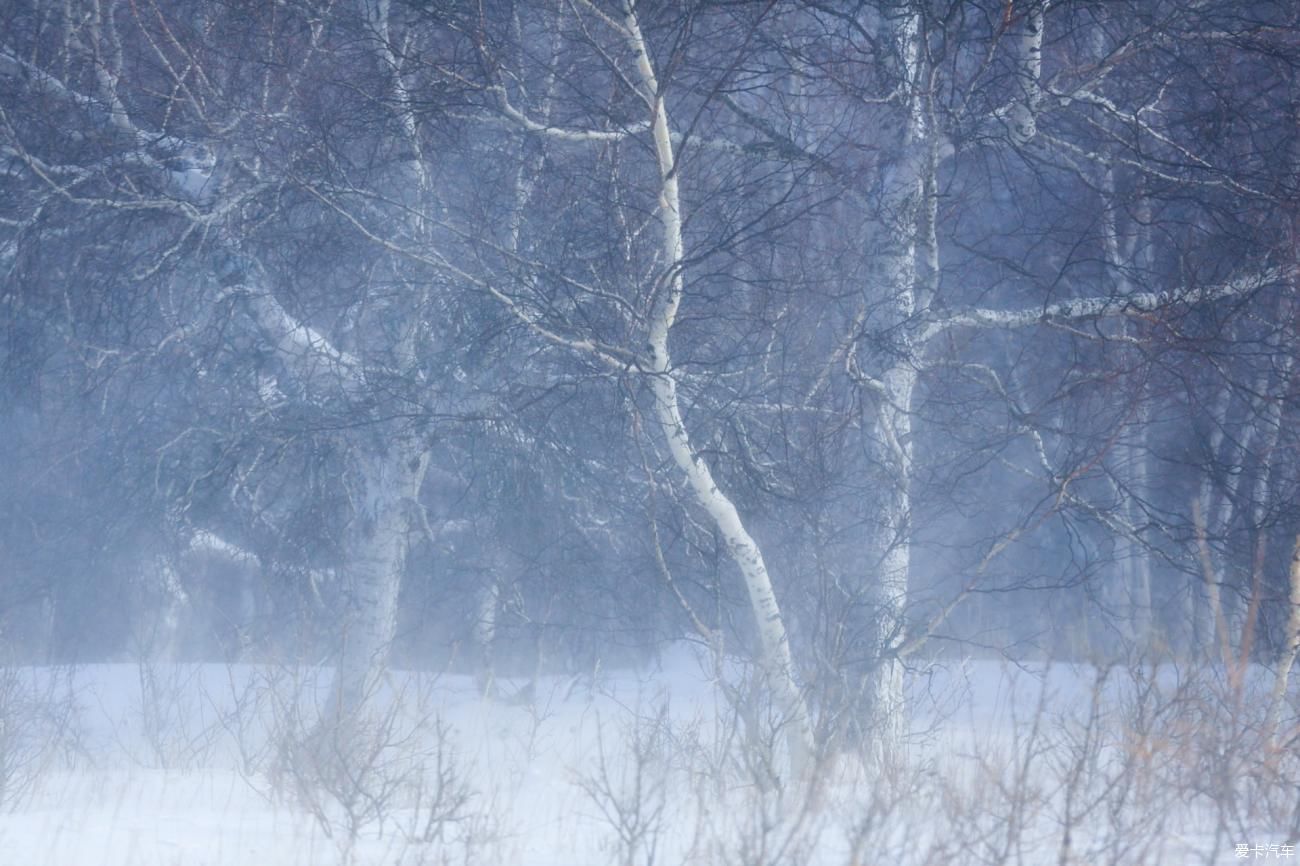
180,157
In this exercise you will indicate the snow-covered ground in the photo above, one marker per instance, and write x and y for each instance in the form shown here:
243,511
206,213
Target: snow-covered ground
202,765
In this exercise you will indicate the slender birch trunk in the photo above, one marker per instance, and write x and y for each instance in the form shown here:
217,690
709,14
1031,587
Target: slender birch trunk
1129,587
906,216
886,710
1205,604
776,660
485,634
1022,114
1134,559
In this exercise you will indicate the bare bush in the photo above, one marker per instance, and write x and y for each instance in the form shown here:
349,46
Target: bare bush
632,793
39,724
177,733
390,766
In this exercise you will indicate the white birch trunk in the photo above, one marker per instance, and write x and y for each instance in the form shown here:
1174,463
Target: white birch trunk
1269,418
388,481
1210,628
485,634
1198,607
776,660
893,553
1022,114
1128,589
376,543
881,706
1134,558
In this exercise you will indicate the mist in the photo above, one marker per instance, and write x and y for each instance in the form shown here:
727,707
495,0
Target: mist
605,432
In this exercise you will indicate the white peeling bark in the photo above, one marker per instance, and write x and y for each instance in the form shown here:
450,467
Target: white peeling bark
1269,425
904,217
1022,114
891,549
1084,309
376,544
776,661
1130,586
1258,439
388,481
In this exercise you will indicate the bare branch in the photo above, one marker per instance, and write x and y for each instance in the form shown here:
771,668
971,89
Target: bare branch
1080,309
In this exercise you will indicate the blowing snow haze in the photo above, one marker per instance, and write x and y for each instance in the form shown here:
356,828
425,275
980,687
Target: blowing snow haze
613,432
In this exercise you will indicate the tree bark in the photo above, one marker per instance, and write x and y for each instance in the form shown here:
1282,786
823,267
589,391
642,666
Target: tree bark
878,710
376,545
776,660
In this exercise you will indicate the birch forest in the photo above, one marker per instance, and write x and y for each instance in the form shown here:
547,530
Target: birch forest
844,353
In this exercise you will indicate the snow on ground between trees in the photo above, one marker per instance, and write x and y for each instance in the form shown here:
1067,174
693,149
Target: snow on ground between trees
150,764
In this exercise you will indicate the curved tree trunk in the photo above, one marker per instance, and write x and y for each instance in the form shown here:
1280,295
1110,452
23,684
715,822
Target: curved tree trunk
776,660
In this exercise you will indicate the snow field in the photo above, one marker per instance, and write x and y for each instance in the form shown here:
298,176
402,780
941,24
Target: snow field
202,765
